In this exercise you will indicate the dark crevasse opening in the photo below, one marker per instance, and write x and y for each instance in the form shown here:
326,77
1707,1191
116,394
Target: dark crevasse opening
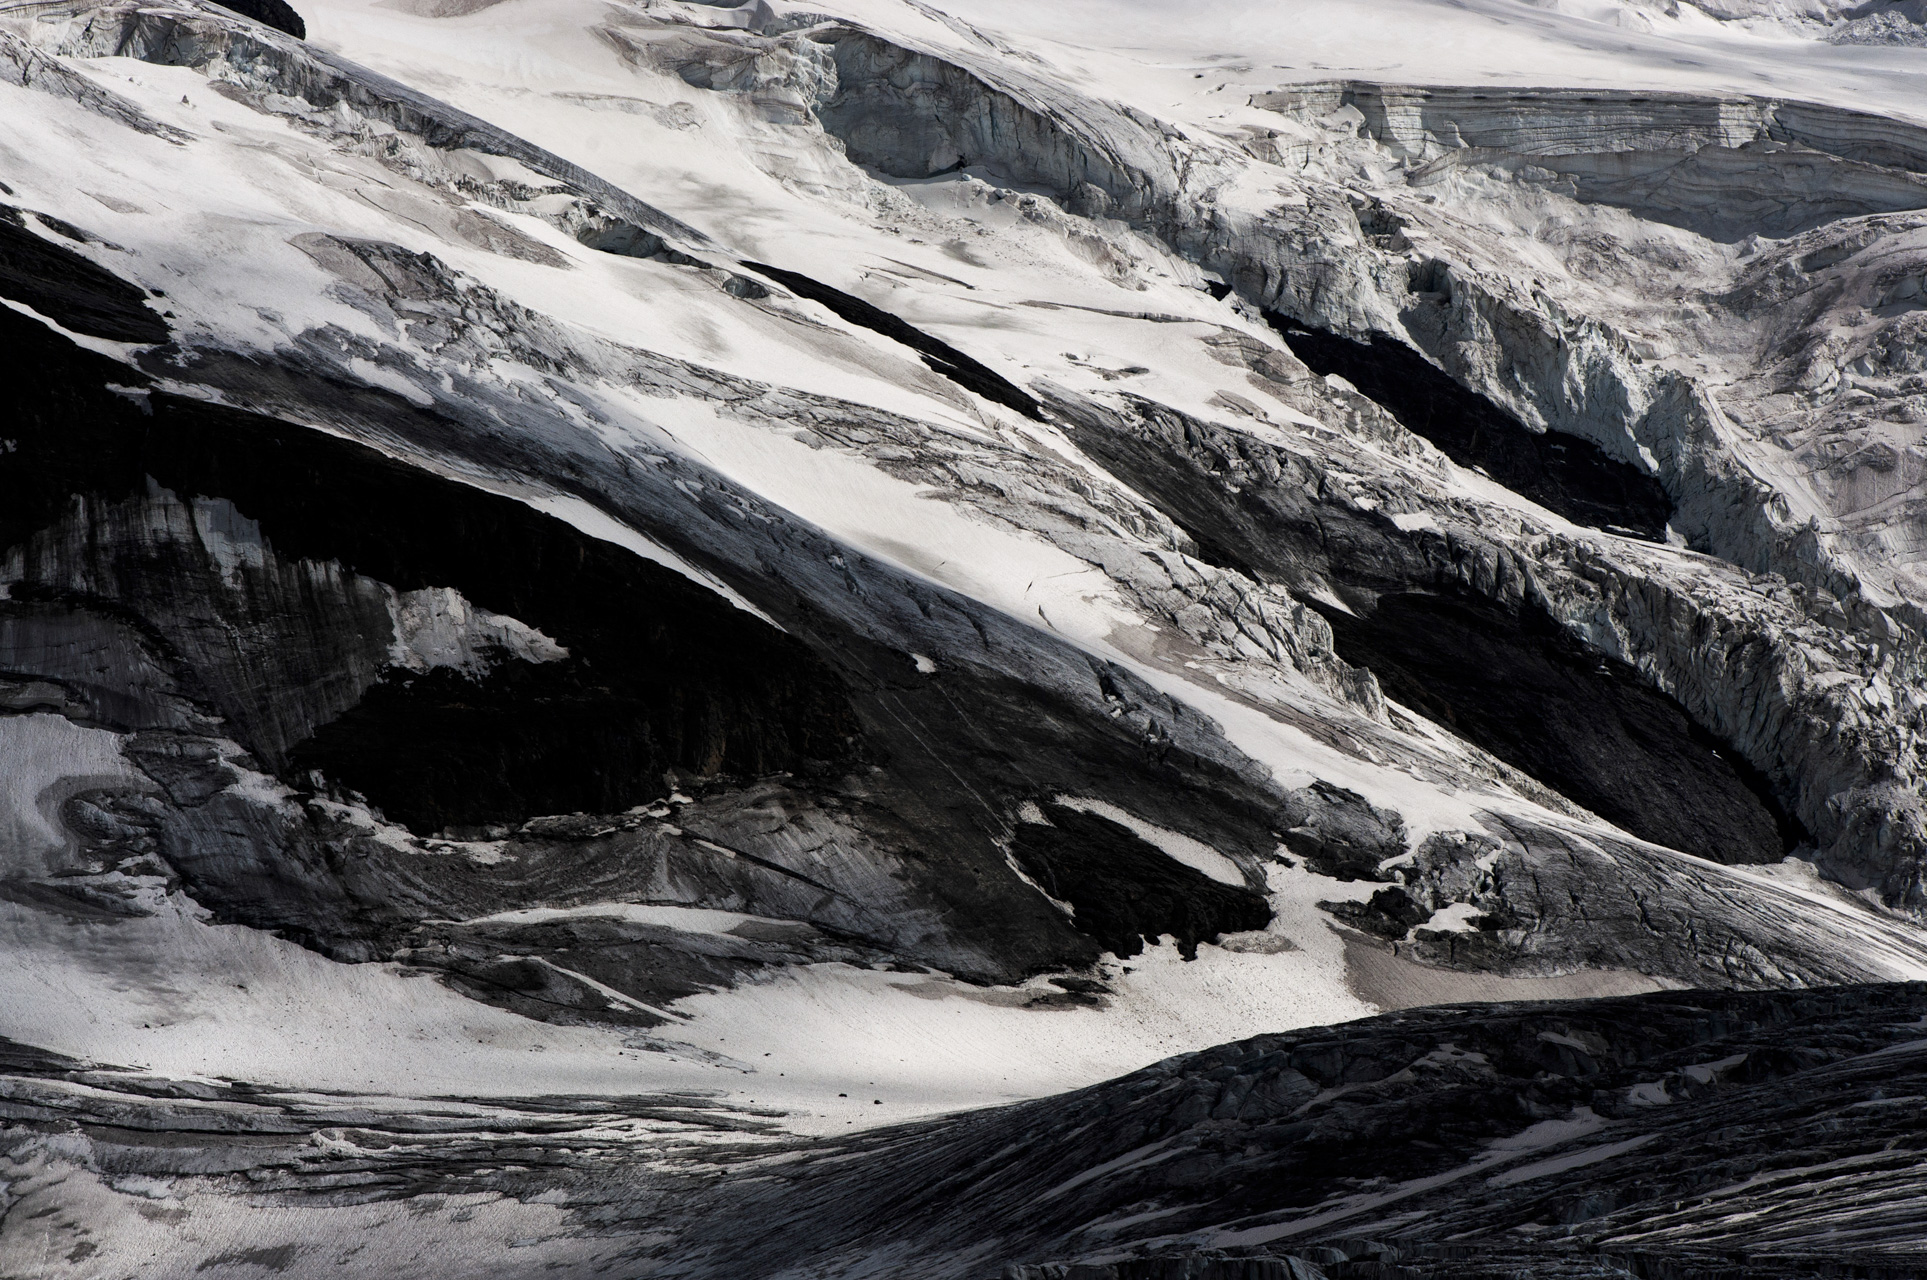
1562,473
1588,726
940,356
274,13
660,673
1125,892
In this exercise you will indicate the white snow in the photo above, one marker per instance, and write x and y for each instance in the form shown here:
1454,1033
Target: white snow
44,759
1192,853
1454,917
1570,1161
682,919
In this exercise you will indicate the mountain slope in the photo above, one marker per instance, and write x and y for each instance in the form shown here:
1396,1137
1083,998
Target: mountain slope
831,567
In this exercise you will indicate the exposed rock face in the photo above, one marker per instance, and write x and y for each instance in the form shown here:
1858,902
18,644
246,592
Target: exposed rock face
628,676
1560,472
1584,724
1270,528
1125,892
274,13
942,358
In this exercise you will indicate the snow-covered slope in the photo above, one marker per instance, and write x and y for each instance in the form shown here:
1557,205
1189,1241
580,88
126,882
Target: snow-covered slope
842,562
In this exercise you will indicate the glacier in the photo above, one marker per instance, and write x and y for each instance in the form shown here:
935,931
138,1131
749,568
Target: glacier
1104,641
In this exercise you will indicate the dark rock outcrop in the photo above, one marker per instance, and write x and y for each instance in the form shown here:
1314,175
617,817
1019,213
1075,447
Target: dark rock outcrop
1388,913
1127,892
292,646
1563,473
1466,641
278,14
1586,725
966,371
70,289
1663,1134
263,593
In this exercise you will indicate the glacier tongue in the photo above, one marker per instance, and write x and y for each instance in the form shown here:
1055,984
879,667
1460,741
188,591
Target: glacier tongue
808,566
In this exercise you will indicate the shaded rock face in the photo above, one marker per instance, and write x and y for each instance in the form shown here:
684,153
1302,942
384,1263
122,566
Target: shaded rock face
1588,726
275,579
166,580
1341,834
367,634
1500,672
942,358
1563,473
68,288
274,13
1126,892
1388,913
1532,904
